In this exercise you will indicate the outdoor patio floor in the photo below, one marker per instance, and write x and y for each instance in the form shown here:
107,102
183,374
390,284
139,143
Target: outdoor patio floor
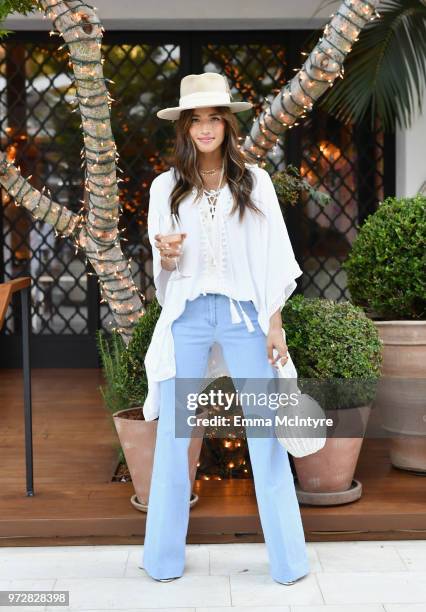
76,503
374,576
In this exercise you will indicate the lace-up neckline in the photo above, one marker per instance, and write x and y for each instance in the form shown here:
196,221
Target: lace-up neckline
212,196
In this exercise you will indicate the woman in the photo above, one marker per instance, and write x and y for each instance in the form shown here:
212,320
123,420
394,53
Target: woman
222,274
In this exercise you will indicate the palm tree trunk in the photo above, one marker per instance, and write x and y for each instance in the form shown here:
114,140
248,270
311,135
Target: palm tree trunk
95,232
323,65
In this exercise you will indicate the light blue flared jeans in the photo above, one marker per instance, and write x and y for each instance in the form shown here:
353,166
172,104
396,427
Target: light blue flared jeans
205,320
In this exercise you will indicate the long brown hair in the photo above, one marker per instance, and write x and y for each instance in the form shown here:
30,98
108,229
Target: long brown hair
186,171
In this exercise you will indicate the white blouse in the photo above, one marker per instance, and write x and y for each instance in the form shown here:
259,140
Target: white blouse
255,262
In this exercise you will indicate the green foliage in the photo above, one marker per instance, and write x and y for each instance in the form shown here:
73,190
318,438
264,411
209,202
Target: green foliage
14,6
336,344
124,370
386,69
136,352
289,185
112,352
386,266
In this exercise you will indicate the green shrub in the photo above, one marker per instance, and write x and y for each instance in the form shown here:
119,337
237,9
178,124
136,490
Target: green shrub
333,343
386,266
124,369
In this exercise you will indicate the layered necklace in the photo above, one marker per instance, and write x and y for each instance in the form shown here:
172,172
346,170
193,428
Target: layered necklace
213,194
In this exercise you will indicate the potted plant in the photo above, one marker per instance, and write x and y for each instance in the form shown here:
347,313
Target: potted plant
337,353
124,395
386,276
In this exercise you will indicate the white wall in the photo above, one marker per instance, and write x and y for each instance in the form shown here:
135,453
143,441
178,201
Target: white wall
410,157
195,14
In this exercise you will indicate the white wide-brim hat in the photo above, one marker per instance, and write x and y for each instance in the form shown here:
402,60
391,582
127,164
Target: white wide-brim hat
203,90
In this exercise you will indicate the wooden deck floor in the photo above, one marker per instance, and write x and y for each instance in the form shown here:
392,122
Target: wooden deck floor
75,456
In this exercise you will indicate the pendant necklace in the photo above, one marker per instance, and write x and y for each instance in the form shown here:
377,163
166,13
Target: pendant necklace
213,194
208,172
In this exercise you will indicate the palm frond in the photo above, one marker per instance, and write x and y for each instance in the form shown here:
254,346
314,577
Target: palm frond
7,7
386,70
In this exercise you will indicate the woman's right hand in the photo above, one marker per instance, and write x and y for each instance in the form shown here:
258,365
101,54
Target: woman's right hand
170,247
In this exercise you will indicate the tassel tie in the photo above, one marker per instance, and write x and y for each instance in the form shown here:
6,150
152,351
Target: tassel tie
227,267
235,317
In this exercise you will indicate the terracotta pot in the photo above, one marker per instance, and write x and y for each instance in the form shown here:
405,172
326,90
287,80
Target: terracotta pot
137,438
401,392
332,468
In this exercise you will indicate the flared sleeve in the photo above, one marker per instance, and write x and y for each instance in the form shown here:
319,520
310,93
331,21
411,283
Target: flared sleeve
161,276
281,266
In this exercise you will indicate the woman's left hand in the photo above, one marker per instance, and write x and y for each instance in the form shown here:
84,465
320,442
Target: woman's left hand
275,340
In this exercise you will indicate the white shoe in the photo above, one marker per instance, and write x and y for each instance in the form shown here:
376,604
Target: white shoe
159,579
291,581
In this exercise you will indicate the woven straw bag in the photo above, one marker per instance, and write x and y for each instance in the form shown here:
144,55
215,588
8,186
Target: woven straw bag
290,437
